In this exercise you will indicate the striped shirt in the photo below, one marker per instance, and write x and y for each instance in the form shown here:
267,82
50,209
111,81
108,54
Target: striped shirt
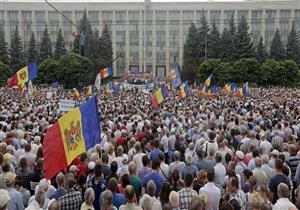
293,162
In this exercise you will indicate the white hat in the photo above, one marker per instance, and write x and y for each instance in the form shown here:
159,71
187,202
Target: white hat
91,165
44,184
9,178
4,198
73,168
240,155
275,152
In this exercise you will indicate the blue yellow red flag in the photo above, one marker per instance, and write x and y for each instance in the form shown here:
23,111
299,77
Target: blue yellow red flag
24,75
104,73
74,133
184,90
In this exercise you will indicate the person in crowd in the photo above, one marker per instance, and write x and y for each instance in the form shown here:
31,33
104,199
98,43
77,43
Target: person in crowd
212,191
89,197
155,176
187,193
129,196
72,199
283,193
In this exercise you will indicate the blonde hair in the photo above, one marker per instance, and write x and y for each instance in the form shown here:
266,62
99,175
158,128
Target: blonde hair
256,200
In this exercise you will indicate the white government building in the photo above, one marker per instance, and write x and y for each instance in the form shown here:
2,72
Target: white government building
150,34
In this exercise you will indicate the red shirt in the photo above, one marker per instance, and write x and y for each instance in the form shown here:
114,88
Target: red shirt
120,141
83,168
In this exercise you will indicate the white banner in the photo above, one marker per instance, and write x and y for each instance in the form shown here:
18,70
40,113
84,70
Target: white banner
66,105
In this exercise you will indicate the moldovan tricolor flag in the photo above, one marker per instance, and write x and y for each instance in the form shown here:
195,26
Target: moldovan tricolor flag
106,72
73,133
23,75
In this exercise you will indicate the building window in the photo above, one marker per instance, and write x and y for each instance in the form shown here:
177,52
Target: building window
255,26
215,17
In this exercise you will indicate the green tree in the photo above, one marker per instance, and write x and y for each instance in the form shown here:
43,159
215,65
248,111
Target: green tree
202,38
277,51
32,54
3,47
17,57
191,59
84,47
75,69
60,49
292,46
46,46
290,76
223,74
246,70
226,49
243,46
104,55
272,73
213,43
206,68
5,73
261,53
48,71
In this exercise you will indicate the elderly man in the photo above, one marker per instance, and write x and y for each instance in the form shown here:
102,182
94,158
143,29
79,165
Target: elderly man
129,195
259,174
177,164
283,202
16,202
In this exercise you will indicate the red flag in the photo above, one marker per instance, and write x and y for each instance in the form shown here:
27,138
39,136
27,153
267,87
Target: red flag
154,102
13,81
54,145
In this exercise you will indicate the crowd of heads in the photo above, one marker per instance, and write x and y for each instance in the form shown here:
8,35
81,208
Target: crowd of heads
221,152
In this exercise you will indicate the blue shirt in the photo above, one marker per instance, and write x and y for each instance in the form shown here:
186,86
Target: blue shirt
158,180
57,194
154,154
15,202
118,200
99,185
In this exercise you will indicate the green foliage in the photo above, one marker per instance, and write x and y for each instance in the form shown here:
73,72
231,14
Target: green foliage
5,73
3,47
277,51
280,73
213,43
47,72
226,46
32,54
191,58
202,38
60,49
75,69
261,53
85,49
45,48
243,46
206,68
104,54
17,57
245,70
292,46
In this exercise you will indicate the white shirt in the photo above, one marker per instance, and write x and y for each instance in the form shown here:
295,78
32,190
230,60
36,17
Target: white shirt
165,168
165,143
283,203
213,194
265,147
137,159
220,173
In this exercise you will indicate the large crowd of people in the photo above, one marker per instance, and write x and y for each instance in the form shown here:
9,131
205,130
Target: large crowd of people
199,153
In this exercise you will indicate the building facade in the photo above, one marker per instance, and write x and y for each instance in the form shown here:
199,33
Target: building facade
149,35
